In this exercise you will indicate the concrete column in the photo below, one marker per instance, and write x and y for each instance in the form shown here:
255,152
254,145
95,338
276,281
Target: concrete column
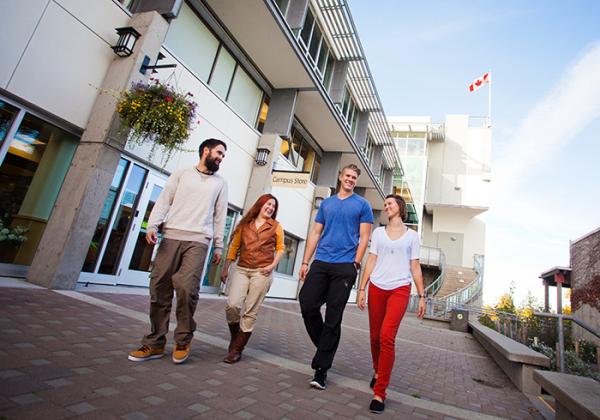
388,185
281,112
330,169
296,14
362,129
559,278
377,159
546,297
260,180
278,124
64,244
338,81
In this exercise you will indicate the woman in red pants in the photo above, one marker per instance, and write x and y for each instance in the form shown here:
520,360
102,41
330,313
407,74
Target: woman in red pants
392,265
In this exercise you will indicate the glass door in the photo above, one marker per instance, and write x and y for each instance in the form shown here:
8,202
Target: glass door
211,281
108,245
138,255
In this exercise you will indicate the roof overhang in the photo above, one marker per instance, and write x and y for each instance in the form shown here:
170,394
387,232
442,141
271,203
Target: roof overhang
275,53
553,276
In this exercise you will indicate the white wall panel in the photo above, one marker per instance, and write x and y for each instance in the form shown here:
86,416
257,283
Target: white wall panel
295,208
62,67
100,16
17,22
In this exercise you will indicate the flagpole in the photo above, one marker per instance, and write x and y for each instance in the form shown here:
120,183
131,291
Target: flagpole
490,99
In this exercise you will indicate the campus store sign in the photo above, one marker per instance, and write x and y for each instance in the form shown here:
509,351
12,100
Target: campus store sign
290,179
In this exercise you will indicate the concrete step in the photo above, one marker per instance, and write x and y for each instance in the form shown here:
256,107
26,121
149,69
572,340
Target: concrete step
455,278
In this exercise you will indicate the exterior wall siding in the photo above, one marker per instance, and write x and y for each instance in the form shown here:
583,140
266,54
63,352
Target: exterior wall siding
585,265
62,57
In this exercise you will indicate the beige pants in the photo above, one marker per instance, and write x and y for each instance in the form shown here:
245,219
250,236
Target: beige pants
247,290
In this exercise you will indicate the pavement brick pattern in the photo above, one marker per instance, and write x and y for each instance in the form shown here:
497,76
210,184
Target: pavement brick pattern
61,357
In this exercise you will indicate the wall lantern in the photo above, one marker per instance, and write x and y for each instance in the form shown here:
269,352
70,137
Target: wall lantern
261,156
317,202
127,38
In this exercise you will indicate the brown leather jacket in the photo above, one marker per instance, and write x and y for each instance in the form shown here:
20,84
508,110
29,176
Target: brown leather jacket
257,247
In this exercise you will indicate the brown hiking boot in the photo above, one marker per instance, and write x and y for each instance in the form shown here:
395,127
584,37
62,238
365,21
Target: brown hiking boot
146,353
234,329
181,353
235,354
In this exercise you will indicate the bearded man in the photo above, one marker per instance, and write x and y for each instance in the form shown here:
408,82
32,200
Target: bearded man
192,209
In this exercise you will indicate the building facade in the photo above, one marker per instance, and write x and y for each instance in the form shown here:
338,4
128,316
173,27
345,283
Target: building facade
288,76
447,174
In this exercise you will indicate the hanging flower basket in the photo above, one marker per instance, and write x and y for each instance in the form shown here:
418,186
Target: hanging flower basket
155,112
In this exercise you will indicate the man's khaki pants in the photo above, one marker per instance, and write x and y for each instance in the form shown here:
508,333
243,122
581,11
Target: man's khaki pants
178,267
247,292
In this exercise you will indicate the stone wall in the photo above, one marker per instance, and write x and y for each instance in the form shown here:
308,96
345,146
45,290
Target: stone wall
585,283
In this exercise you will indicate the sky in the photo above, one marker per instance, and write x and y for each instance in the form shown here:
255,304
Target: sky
545,62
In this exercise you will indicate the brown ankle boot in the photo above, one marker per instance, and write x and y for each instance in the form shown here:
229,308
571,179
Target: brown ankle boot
234,329
235,354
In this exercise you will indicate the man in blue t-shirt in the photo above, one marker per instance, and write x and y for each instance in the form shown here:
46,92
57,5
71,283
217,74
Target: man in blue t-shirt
340,235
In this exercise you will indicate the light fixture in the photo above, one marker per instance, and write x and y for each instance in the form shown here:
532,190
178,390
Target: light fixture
146,64
317,202
127,39
261,156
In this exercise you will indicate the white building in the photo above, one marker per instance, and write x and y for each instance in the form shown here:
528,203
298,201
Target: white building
448,172
288,75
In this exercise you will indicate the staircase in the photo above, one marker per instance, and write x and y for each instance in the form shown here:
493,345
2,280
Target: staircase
455,287
455,278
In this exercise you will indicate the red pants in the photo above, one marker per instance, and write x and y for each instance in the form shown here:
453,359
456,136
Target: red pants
386,309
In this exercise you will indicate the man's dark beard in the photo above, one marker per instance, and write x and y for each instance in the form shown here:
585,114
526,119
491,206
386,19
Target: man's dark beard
211,164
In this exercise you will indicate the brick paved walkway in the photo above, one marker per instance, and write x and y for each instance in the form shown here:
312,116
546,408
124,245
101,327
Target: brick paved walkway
63,354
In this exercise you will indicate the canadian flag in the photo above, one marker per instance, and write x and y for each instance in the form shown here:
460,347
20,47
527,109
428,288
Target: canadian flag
477,83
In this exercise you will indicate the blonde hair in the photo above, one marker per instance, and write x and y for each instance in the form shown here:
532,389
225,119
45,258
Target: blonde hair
352,167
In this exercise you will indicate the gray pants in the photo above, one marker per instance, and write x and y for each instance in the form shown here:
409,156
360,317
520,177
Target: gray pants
178,267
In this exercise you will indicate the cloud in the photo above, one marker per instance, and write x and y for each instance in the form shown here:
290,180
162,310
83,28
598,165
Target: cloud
528,228
555,121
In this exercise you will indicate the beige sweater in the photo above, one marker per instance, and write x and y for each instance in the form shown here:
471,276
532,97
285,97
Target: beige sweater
192,207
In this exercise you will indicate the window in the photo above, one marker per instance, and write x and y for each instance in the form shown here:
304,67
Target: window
193,42
319,54
222,73
301,154
286,263
262,115
196,45
34,159
349,111
126,3
283,6
368,148
244,95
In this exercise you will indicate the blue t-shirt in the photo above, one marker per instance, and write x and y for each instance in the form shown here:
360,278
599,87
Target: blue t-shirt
341,221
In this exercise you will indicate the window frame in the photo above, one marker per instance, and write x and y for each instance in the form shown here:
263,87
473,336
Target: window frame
293,265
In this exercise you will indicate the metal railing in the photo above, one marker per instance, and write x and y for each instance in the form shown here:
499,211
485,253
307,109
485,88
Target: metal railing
560,357
433,257
441,308
470,291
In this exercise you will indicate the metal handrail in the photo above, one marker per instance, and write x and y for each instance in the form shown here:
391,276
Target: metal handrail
561,336
433,288
470,291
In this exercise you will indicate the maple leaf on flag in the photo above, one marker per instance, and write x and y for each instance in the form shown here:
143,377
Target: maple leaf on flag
477,83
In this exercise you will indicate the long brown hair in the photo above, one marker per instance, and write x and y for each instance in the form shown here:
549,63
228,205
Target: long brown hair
401,203
253,212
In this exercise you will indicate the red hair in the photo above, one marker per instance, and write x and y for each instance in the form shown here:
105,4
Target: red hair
253,212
